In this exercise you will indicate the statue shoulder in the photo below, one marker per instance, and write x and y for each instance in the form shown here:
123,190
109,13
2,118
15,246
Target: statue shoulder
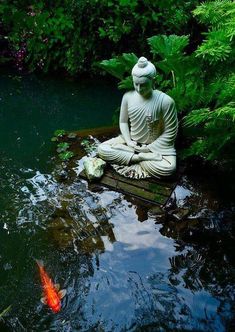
128,95
166,100
126,99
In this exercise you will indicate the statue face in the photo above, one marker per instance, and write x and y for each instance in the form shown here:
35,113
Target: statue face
142,85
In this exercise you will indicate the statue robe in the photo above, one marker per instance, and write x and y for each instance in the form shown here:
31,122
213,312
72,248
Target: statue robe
153,123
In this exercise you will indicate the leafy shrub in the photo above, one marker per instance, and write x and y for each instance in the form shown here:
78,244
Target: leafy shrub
217,53
74,35
37,34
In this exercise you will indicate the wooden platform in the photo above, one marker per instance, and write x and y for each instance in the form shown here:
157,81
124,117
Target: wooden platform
150,190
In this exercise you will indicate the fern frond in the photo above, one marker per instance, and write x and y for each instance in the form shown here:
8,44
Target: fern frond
211,118
216,48
215,13
219,16
230,28
197,148
227,90
196,117
226,113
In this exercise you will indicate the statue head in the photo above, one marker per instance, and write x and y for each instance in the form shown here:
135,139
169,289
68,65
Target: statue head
143,73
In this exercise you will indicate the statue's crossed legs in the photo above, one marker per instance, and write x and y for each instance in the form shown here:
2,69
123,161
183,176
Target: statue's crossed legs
135,165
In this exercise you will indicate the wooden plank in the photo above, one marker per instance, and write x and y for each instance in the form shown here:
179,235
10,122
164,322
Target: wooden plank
147,184
133,190
151,190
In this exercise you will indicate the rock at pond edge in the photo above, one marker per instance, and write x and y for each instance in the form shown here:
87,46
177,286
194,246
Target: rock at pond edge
94,168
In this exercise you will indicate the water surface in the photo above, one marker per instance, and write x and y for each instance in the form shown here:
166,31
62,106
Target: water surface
124,268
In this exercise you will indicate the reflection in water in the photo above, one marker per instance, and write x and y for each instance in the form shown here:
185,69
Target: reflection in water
120,274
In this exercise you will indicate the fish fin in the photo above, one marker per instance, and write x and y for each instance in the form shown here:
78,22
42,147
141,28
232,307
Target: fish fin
43,300
62,293
57,287
39,262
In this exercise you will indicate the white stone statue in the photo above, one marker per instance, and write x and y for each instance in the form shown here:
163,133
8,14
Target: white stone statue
148,125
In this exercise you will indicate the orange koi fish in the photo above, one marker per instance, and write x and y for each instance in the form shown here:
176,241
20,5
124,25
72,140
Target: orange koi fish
51,293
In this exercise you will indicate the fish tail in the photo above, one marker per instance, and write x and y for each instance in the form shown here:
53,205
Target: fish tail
39,262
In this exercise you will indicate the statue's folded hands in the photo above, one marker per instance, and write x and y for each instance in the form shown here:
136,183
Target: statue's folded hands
131,144
142,148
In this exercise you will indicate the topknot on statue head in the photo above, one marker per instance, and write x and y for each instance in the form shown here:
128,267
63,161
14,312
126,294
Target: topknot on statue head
144,68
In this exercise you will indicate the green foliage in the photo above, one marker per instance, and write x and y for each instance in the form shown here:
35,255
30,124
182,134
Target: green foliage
178,70
39,31
75,35
57,134
62,147
215,48
168,46
66,155
219,16
201,82
215,14
88,145
217,138
119,67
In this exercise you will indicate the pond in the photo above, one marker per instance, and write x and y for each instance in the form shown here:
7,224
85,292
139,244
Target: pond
124,266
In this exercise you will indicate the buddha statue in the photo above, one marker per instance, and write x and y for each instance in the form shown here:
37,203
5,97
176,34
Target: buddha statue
148,125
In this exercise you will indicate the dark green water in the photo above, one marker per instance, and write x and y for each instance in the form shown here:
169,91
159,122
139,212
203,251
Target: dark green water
123,269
